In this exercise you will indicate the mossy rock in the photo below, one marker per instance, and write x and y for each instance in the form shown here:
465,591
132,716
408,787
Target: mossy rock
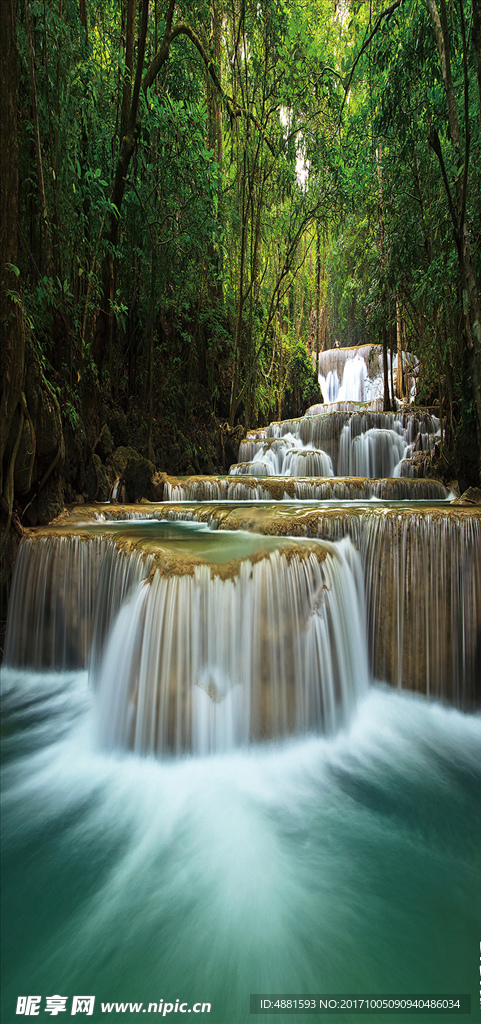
76,456
158,481
105,444
121,456
137,478
47,505
472,496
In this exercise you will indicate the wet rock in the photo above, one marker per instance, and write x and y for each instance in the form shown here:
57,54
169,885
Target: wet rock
472,496
47,505
98,480
105,444
158,483
121,456
76,456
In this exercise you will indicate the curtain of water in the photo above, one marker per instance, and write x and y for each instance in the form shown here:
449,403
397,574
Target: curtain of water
202,663
369,444
228,489
422,572
51,607
356,374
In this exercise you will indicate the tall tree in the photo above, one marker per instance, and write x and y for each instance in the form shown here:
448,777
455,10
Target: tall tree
458,204
12,328
131,125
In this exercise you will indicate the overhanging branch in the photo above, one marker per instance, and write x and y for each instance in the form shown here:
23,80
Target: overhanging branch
385,14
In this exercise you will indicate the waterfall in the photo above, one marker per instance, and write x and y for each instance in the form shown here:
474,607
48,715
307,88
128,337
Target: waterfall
281,456
239,753
421,570
356,374
251,488
201,663
374,453
65,593
367,443
422,577
202,655
51,605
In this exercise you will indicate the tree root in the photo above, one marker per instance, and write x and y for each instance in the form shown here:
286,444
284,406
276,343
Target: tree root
7,501
23,402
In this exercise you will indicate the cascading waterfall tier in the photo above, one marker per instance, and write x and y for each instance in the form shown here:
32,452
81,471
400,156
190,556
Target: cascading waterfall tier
422,574
366,443
200,663
202,640
422,578
286,456
252,488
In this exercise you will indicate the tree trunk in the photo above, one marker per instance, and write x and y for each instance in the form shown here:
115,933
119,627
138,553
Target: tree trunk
12,331
318,292
83,18
129,66
399,375
467,273
385,364
41,185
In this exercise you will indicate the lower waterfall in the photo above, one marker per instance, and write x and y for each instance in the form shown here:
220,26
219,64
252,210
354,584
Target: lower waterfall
210,641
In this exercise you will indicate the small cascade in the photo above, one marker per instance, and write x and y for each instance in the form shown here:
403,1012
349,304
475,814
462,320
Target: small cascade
375,405
424,574
355,385
66,592
281,456
373,453
253,488
121,573
351,374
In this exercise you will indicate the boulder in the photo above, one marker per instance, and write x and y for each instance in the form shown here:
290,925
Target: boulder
137,479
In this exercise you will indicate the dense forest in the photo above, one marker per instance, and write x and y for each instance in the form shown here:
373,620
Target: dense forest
198,195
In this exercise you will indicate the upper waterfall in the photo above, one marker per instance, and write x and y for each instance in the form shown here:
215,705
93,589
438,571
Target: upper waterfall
356,374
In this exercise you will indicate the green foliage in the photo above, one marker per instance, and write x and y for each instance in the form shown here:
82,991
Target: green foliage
243,215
